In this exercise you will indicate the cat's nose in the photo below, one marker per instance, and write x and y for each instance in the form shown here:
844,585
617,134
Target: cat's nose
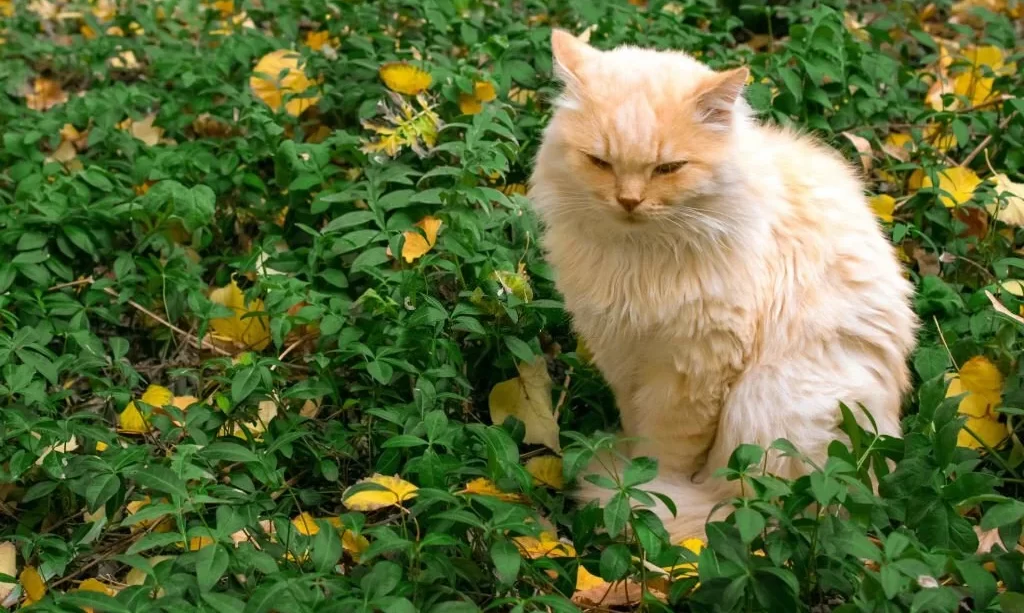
628,203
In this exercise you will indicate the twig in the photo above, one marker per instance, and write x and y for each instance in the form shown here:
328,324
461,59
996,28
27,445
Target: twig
86,281
942,337
988,139
191,338
292,347
564,394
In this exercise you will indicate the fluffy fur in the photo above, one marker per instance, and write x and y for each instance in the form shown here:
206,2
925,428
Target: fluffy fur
746,293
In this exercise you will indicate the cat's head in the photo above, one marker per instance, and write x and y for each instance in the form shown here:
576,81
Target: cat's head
637,133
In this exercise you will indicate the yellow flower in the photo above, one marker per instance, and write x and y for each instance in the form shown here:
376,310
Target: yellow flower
269,86
405,78
395,491
957,182
883,206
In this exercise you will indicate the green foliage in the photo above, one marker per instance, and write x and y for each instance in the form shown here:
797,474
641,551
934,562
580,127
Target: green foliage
371,363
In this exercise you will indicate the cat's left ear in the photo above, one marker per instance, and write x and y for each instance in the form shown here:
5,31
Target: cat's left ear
717,102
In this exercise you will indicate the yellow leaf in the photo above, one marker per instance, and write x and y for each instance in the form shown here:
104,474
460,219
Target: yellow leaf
883,206
484,91
976,88
687,569
957,182
991,57
137,576
266,412
937,136
32,582
980,376
515,283
586,580
469,105
269,86
320,39
522,96
395,491
239,331
143,129
528,398
545,546
9,567
306,524
132,421
95,585
163,523
416,245
406,127
351,542
1014,286
547,470
1011,195
101,446
45,94
898,145
198,542
991,431
484,487
405,78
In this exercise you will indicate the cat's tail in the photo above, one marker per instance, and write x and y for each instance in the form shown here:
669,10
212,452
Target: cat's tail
696,503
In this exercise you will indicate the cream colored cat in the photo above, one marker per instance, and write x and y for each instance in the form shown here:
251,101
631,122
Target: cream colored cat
728,276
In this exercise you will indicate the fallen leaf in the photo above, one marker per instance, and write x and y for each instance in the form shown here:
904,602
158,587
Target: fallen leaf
33,584
265,413
883,205
164,523
405,78
515,283
143,130
9,567
306,524
898,145
396,491
271,88
355,544
245,330
547,470
998,306
132,421
406,127
957,183
319,39
471,104
982,384
976,220
546,545
485,487
1009,208
125,60
95,585
417,245
45,94
863,147
586,580
528,398
137,576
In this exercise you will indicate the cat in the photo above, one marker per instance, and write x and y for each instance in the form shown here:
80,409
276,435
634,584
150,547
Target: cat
728,277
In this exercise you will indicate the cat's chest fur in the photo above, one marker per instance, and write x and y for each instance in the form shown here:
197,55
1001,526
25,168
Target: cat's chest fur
653,316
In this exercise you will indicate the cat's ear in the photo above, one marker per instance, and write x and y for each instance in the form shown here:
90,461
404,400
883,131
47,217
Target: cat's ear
569,53
716,104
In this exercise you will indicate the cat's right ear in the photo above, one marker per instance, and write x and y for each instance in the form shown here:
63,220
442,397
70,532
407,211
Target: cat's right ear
569,53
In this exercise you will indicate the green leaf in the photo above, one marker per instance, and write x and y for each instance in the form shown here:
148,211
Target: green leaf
101,603
616,514
519,348
163,480
211,563
981,583
326,549
232,452
1003,514
615,562
640,470
507,560
223,602
244,383
749,522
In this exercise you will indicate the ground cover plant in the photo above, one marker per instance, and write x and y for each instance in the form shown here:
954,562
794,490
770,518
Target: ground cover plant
276,335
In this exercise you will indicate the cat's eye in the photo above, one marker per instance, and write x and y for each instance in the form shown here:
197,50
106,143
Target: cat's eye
596,161
669,168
